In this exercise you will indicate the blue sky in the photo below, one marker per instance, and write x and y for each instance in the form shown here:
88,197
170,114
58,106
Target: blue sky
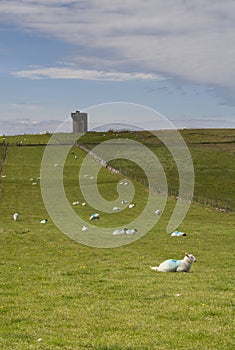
177,57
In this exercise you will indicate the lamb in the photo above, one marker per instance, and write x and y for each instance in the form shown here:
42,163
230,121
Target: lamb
176,265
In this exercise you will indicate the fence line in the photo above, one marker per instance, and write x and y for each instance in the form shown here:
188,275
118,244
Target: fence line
173,193
3,160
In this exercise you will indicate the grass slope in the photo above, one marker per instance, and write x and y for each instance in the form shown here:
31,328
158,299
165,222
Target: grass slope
59,294
212,152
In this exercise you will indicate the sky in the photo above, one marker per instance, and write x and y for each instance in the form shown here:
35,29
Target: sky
174,56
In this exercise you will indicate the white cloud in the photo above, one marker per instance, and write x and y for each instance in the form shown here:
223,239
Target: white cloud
69,73
193,40
25,106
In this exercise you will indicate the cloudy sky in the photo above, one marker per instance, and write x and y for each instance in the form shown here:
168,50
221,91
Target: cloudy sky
175,56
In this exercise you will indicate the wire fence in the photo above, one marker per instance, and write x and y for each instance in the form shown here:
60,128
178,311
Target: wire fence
3,155
172,192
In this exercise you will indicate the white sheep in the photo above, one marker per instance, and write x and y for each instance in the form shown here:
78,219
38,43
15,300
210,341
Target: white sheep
178,234
94,217
120,232
15,216
116,209
43,221
176,265
158,212
132,205
130,232
124,231
84,228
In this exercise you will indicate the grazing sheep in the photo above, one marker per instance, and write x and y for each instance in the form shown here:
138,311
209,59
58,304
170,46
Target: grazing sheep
178,234
120,232
15,216
116,209
43,221
130,232
83,204
176,265
94,217
124,201
125,231
158,212
84,228
131,206
75,203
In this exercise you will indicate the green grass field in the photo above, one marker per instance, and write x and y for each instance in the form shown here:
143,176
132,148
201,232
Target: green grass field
59,294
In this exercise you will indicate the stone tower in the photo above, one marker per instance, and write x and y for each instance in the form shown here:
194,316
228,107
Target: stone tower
79,121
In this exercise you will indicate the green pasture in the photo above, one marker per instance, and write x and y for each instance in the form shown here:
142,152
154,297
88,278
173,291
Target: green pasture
59,294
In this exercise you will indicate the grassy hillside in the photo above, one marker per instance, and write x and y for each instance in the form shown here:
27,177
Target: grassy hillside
59,294
212,150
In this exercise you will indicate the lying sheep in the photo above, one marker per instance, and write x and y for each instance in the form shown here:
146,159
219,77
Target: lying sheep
176,265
